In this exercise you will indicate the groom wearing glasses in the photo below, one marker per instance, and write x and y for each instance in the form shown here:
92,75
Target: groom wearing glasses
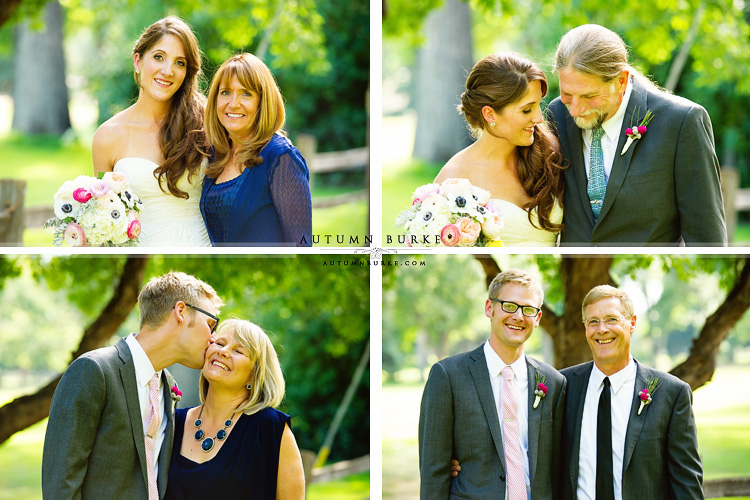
494,409
111,421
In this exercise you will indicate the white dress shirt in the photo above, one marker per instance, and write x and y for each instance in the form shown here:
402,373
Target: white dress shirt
612,130
495,366
623,385
144,370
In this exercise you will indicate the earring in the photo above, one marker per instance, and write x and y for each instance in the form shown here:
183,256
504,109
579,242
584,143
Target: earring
137,70
249,387
492,124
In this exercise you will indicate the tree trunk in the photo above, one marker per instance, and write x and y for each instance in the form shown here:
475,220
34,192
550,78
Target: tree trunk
7,8
28,410
40,96
700,365
579,275
440,77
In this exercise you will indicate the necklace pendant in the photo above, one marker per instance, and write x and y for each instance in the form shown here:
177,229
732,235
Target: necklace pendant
207,444
199,434
221,435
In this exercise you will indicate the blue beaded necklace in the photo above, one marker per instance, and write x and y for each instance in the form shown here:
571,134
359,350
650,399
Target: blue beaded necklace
208,443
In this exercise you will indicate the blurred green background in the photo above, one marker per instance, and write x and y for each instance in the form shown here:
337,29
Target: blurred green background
697,49
437,310
320,339
318,50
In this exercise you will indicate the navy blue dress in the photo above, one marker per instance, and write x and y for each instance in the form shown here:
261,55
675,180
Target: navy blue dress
246,467
266,205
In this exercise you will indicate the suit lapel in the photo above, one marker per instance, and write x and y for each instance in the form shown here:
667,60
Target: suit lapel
621,163
481,377
578,166
535,417
577,385
635,421
127,377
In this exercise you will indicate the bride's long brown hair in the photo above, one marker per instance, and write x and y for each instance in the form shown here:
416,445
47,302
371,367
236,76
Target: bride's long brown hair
181,135
497,81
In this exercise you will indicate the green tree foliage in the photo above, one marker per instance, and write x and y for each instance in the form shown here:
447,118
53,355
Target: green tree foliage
316,314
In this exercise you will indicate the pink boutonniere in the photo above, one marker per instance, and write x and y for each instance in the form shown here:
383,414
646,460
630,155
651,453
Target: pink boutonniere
645,394
541,389
635,133
176,393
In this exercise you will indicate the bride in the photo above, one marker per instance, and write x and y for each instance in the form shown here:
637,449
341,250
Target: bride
153,142
515,156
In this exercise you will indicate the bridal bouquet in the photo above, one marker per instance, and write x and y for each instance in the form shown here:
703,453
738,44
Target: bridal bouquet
450,214
96,211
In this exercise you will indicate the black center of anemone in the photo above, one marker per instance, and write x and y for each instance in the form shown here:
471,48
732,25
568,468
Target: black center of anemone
461,201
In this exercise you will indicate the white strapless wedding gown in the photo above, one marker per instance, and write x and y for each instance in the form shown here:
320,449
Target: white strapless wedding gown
166,220
519,232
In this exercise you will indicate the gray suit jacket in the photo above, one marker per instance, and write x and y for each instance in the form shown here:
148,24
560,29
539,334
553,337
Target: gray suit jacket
459,419
665,188
661,459
94,446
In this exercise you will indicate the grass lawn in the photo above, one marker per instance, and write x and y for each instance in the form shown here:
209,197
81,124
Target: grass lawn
45,163
21,463
720,413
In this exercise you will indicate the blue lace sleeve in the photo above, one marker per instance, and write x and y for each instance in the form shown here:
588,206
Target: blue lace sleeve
289,182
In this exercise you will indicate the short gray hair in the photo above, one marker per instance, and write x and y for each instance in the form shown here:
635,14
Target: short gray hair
602,292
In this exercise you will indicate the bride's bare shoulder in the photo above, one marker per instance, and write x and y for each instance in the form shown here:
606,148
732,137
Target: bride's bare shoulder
456,167
109,139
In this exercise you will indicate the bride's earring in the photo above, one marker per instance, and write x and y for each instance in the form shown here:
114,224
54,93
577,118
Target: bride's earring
249,387
137,70
492,124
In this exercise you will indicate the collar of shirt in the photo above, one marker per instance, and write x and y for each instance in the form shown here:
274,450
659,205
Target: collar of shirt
144,370
617,379
495,365
612,128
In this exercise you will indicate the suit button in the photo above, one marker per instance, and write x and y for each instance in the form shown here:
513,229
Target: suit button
502,478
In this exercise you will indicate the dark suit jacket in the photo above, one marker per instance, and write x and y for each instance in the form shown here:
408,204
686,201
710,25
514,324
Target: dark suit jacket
665,188
459,419
661,459
94,446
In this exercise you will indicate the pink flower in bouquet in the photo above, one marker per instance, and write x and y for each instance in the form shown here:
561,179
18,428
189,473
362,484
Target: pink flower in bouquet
492,227
116,181
74,235
99,188
450,235
81,195
494,206
422,192
470,230
134,229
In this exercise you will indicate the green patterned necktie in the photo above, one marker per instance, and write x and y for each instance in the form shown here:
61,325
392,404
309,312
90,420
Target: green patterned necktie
597,180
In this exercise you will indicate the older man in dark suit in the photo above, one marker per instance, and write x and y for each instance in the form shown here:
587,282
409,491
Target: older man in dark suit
657,185
629,431
487,409
111,420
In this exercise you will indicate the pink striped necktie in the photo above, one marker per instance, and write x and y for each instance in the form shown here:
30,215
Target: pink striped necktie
153,427
511,442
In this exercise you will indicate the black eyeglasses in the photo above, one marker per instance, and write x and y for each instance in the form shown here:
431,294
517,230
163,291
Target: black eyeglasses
215,318
511,307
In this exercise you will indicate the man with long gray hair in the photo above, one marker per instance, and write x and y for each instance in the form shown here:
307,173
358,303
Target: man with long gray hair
642,169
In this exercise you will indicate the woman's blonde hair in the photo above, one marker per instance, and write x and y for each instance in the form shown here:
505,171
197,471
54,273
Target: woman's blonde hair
253,75
267,380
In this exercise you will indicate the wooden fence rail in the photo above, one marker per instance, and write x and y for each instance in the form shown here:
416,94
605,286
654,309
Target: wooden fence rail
720,488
